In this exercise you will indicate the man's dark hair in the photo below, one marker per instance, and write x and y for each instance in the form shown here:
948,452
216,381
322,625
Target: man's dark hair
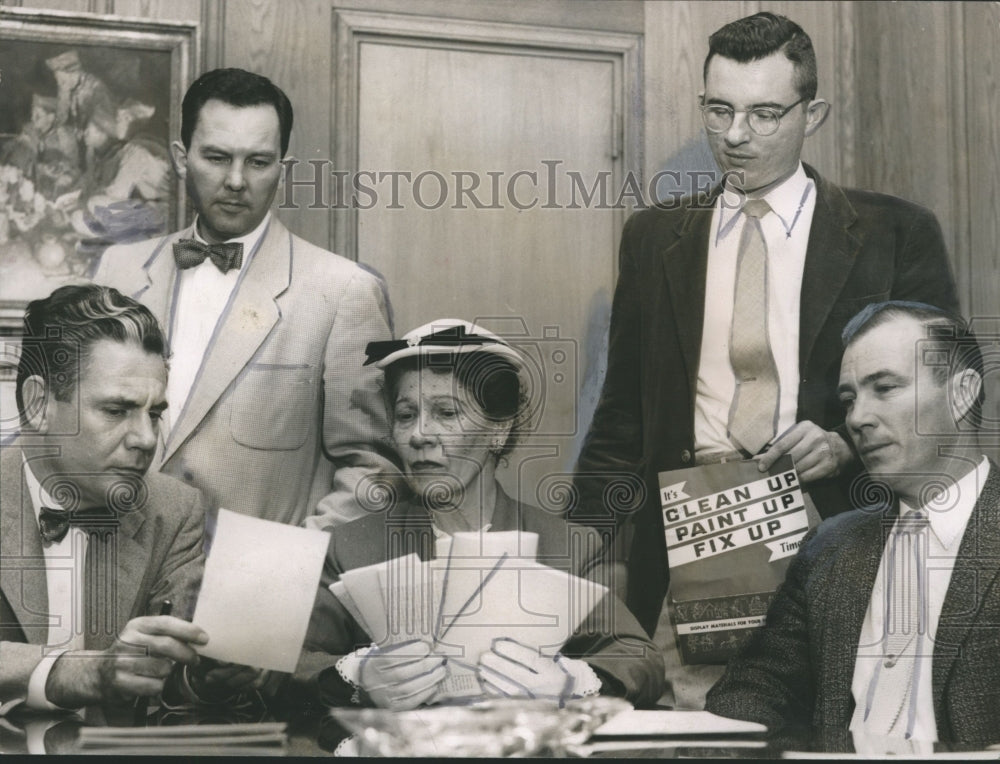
491,380
61,329
950,348
236,87
758,36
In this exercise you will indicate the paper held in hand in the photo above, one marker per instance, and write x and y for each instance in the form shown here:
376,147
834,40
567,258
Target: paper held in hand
730,532
258,591
479,587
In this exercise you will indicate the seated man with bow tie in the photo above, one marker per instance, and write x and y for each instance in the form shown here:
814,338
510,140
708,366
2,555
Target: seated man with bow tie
271,412
92,547
885,629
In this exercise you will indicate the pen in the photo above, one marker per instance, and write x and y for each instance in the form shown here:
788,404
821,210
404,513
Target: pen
767,446
142,704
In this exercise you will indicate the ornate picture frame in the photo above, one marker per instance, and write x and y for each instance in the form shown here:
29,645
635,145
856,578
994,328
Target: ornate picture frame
94,101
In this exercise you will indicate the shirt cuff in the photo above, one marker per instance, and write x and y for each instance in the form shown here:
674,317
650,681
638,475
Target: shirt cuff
37,699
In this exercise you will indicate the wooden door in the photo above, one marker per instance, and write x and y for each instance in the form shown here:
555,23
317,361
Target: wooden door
486,162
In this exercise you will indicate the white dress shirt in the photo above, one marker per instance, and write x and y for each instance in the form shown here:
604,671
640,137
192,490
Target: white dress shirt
202,299
948,514
64,578
786,233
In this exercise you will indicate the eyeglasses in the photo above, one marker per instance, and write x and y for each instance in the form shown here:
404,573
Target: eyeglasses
763,120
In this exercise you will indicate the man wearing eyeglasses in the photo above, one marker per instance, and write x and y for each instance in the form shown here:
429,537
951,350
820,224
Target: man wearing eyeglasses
724,340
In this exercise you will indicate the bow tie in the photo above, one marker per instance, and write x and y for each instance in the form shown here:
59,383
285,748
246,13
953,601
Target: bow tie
54,524
189,253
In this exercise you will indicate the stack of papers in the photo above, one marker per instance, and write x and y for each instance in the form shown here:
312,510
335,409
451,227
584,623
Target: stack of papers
666,733
262,739
480,587
675,724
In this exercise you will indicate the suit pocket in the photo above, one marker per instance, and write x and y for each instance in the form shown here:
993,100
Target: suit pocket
274,406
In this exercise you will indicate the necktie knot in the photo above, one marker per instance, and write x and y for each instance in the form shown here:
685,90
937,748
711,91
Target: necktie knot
756,208
54,523
912,522
189,253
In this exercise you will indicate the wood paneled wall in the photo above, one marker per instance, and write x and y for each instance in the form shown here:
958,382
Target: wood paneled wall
912,84
913,87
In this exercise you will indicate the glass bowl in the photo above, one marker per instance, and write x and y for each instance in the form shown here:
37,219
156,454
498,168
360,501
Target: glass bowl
494,728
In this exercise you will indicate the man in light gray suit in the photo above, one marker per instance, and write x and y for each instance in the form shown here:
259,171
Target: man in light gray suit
272,412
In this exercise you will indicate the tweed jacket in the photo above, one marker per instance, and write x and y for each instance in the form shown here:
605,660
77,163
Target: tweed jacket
156,552
863,247
795,674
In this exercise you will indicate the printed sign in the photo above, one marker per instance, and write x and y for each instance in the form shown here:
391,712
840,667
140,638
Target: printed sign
730,533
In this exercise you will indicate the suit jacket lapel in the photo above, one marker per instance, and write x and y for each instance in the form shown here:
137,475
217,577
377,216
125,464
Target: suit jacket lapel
111,597
829,258
972,578
846,594
685,263
22,573
506,514
248,319
157,290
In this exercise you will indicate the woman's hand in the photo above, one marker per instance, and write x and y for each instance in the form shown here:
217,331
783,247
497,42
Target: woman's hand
402,676
513,670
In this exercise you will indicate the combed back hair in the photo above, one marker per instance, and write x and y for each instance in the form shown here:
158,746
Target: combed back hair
61,329
758,36
950,348
491,380
237,87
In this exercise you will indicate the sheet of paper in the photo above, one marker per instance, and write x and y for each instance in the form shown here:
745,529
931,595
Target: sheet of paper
363,587
339,589
381,611
516,598
258,591
475,545
407,589
654,723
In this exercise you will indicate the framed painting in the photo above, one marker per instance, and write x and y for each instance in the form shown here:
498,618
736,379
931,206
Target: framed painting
91,103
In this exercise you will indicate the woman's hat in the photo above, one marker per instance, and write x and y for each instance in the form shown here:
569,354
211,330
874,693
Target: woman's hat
443,335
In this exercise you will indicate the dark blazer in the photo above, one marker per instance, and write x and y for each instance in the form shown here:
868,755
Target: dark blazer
610,640
157,553
863,247
796,672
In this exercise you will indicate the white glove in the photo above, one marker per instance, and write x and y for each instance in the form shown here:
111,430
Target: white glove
514,670
401,676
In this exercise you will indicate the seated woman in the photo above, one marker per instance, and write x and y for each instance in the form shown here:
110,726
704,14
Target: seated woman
456,395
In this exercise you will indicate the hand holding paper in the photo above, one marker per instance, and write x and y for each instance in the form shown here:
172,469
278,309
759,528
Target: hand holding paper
402,676
480,586
514,670
258,591
141,657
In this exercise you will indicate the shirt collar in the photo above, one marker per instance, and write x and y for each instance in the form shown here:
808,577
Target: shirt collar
949,511
786,200
39,496
248,240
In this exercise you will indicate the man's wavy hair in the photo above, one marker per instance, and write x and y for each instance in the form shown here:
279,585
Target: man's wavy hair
950,348
236,87
758,36
60,331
